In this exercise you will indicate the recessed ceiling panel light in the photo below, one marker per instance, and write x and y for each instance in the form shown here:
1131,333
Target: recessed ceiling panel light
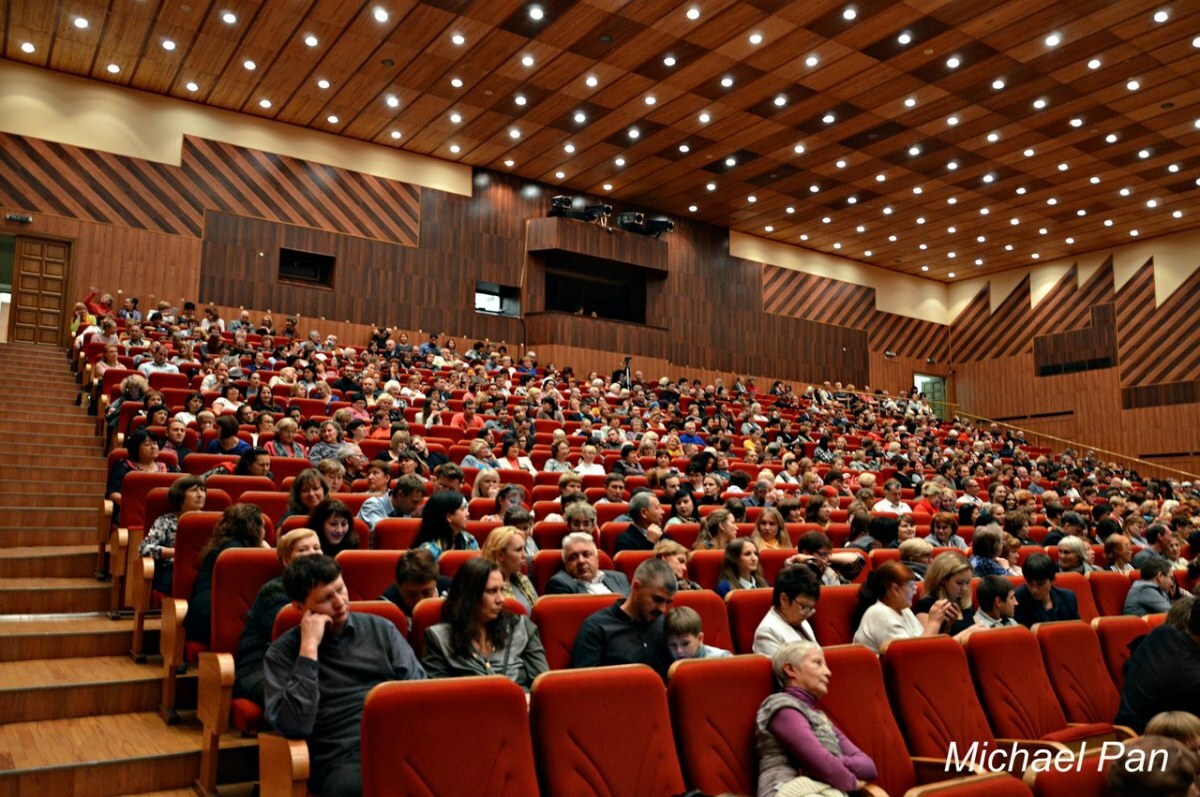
952,121
1133,85
841,164
1174,167
780,101
1108,222
229,18
769,228
1076,122
456,82
1008,247
1039,103
396,135
311,40
1094,63
684,148
592,81
952,165
1029,153
727,81
168,45
1062,167
798,149
381,14
669,61
868,253
711,186
987,178
954,62
1111,138
650,100
1051,201
979,261
918,189
1162,16
113,69
322,83
1021,190
904,38
693,13
731,162
1125,192
705,118
812,60
569,148
998,83
1133,233
520,99
1143,154
455,118
804,236
250,65
458,39
1070,240
265,103
580,117
752,199
1081,212
851,200
984,211
536,13
828,118
860,228
1094,180
693,208
1178,214
790,210
27,47
80,23
619,162
814,188
1152,203
849,13
192,86
914,150
392,101
333,120
924,268
1053,40
514,133
560,175
527,60
879,178
756,38
993,137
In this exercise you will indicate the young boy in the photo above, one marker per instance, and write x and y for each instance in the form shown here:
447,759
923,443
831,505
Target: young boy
685,636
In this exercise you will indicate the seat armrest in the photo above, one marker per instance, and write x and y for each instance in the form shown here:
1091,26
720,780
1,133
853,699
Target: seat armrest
283,766
173,612
118,561
215,691
139,584
103,531
134,569
935,770
952,785
873,790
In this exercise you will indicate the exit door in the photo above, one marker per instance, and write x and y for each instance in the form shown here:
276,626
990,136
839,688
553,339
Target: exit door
934,388
39,291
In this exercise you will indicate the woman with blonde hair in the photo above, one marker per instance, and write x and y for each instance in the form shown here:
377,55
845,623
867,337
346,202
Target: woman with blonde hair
487,484
770,531
948,579
506,547
676,557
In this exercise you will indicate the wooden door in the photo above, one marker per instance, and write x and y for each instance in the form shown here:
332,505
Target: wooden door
39,291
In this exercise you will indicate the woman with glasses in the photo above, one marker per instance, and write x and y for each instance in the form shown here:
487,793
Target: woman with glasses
793,604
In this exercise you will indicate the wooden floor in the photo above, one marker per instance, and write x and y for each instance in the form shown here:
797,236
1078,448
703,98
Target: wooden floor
77,715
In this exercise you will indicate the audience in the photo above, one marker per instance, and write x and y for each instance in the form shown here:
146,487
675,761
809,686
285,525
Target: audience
417,578
685,636
645,527
444,524
883,612
241,526
334,524
477,635
948,579
676,557
797,592
740,569
997,603
631,630
1038,600
1153,592
506,547
186,494
581,571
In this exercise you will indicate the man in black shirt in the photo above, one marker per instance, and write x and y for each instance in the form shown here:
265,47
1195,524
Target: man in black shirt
1163,674
631,630
646,530
1038,600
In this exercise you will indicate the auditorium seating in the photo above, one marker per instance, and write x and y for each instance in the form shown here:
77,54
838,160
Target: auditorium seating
747,608
1115,635
1108,591
558,618
609,755
1076,668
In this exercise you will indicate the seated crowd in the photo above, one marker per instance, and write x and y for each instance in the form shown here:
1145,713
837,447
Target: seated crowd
687,467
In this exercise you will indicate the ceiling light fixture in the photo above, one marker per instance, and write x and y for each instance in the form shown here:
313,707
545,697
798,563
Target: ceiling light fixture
527,60
27,47
634,132
731,162
536,13
455,118
514,133
1094,63
580,117
229,18
879,178
619,162
756,38
829,118
1111,138
381,15
954,62
591,81
814,188
396,135
780,101
684,148
333,120
887,211
392,101
560,175
952,121
669,60
705,118
264,103
693,13
998,83
81,23
1053,40
993,137
569,148
752,199
1162,16
311,40
192,86
798,149
841,164
458,39
693,208
849,14
1133,85
812,60
168,45
250,65
914,150
113,69
711,186
789,210
456,82
1077,122
322,83
769,228
727,81
650,100
1039,103
904,38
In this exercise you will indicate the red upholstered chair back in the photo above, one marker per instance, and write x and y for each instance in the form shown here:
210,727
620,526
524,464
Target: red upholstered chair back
1115,634
835,608
684,533
236,485
195,529
450,561
301,522
134,490
549,534
747,608
197,464
157,503
715,737
857,703
1012,684
521,477
237,577
500,763
396,533
287,468
714,618
628,561
773,560
930,690
368,574
705,567
1083,594
609,756
1077,672
1108,591
289,616
273,504
558,618
1090,781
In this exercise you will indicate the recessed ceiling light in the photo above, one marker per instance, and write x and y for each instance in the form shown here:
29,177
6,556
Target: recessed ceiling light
669,60
1076,122
804,236
1094,180
458,39
984,211
693,208
920,219
27,47
952,255
229,18
981,239
798,149
381,14
684,148
456,82
113,69
1178,214
914,150
396,135
705,118
998,83
324,84
953,62
580,117
868,253
789,209
879,178
756,38
250,65
924,268
1174,167
1014,221
455,118
560,175
1108,222
887,211
952,165
1053,40
650,100
1029,153
311,40
1035,255
861,228
904,38
731,162
1062,167
634,132
951,275
1111,138
726,81
520,99
711,186
951,230
851,200
1094,63
192,86
1151,203
392,101
993,137
922,247
1125,192
780,101
693,13
80,23
979,261
1039,103
168,45
569,148
814,188
592,81
812,60
1196,42
536,13
952,121
910,102
619,162
1070,240
849,13
1133,85
1133,233
333,120
828,118
1042,231
917,189
1143,154
607,186
987,178
514,134
825,219
1081,212
1021,190
769,228
527,60
265,103
1051,201
1008,247
1162,16
841,164
752,199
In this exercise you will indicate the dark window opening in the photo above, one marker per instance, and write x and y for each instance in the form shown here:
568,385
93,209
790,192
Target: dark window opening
496,299
306,268
595,287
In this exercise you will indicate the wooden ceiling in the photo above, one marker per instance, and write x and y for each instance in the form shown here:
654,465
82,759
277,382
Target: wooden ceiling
996,182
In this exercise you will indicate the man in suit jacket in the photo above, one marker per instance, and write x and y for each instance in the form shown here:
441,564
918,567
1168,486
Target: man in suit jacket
645,530
582,573
1038,600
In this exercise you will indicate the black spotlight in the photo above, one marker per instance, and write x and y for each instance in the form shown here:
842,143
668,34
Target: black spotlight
560,206
632,221
657,227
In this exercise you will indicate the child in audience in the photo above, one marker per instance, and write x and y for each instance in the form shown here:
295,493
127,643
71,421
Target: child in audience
685,636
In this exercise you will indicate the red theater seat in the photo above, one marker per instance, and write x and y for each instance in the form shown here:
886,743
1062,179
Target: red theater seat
558,618
1077,672
1115,634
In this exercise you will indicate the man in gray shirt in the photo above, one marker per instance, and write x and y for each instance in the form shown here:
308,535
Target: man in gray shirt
318,674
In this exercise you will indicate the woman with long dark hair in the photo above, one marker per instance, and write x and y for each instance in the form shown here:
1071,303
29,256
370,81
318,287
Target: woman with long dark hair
444,525
334,524
741,568
477,636
241,526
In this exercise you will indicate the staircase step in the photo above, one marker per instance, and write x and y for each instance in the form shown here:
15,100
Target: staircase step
69,473
16,498
50,516
62,434
24,536
113,754
53,595
50,689
49,561
25,639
